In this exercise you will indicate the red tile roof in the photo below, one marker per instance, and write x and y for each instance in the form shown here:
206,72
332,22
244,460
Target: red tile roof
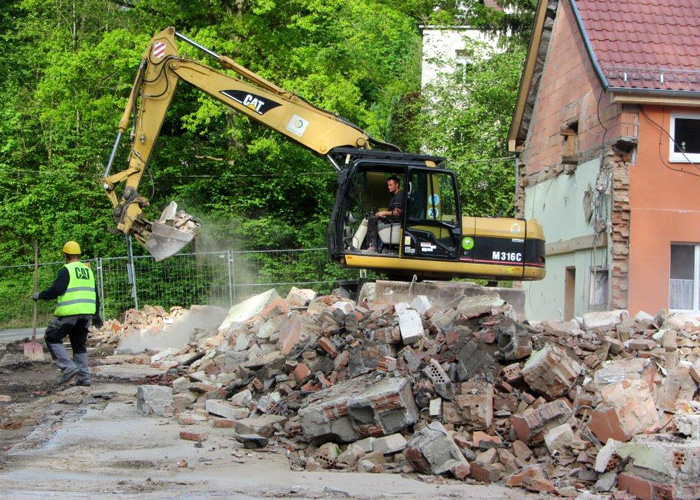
646,44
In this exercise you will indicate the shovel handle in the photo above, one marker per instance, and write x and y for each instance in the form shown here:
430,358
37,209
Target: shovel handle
36,287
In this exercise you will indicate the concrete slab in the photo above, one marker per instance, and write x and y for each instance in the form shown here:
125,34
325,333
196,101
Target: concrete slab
441,293
126,371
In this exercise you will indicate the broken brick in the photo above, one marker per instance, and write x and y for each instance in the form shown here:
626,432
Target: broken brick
551,371
193,436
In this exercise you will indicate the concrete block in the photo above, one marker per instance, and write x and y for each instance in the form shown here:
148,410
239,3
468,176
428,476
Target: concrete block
363,406
435,372
435,409
433,451
475,403
242,311
170,351
627,409
664,460
612,372
514,341
390,444
604,320
155,400
534,421
242,398
557,438
681,321
421,303
299,297
676,390
225,409
551,371
366,444
410,325
688,424
270,327
263,425
475,306
471,359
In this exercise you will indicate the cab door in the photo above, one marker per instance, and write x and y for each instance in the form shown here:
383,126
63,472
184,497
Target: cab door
432,222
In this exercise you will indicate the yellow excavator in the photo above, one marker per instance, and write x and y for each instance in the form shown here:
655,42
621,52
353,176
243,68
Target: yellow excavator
428,236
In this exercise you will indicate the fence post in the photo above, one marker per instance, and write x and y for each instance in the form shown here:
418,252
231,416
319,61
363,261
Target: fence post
131,272
101,288
231,284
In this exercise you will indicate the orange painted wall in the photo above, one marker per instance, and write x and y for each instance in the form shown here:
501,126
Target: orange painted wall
665,209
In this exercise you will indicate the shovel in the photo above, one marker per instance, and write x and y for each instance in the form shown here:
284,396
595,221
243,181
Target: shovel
33,349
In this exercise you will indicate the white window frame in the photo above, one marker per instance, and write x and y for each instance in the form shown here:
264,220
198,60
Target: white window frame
696,279
595,271
681,157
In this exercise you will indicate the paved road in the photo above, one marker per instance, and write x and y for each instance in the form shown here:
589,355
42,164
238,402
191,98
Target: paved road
19,334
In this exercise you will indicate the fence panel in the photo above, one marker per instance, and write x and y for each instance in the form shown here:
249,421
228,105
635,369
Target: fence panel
215,278
16,289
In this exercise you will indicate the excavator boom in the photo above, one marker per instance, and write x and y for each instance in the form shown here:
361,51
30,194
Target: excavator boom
160,71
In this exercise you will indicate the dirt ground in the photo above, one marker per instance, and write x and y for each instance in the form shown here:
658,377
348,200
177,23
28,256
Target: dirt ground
77,442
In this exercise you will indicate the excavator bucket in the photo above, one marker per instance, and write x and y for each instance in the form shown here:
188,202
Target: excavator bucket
171,232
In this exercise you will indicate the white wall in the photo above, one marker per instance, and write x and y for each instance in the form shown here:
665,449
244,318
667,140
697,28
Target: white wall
558,204
441,48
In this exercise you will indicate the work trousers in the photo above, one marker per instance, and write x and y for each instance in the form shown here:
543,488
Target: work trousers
76,328
374,224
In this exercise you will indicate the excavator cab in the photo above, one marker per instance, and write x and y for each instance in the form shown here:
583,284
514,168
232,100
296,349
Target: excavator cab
431,238
428,228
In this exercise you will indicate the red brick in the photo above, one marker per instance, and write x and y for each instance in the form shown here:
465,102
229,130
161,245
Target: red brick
481,437
224,423
461,471
301,372
641,488
193,436
276,307
327,345
484,473
533,421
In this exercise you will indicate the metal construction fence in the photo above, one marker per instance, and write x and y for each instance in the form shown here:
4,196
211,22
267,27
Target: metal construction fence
216,278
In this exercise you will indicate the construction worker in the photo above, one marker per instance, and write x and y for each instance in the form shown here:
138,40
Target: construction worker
76,307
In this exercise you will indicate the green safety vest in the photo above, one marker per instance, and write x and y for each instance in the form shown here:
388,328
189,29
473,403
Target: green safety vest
80,296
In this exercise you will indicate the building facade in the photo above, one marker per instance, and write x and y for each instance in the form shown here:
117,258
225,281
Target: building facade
607,129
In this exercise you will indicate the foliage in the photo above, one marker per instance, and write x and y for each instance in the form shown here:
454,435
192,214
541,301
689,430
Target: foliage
66,69
466,120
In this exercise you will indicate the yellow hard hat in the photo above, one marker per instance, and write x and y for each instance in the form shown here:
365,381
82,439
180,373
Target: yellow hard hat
71,248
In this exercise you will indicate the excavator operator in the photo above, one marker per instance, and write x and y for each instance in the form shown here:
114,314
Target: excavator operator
384,217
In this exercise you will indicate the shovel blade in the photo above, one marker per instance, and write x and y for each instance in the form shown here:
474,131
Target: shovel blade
166,240
34,351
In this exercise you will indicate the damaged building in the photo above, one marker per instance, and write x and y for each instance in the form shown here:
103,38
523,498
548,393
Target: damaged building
607,130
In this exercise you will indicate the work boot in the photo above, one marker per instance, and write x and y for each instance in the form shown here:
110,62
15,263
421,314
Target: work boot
68,375
81,361
83,383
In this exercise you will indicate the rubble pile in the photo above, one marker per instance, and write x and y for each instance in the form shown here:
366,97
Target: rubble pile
150,319
604,403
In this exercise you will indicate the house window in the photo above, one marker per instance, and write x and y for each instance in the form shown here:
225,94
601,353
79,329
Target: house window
461,66
685,132
599,288
569,134
685,277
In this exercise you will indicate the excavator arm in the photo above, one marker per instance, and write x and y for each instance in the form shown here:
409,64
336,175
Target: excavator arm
159,72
